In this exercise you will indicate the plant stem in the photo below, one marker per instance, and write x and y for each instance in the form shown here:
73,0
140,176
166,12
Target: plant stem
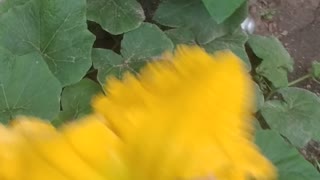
302,78
269,96
315,80
299,79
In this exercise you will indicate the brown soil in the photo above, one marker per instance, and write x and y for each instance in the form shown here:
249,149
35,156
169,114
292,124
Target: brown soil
297,24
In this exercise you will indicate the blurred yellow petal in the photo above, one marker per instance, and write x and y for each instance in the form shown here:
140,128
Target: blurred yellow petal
97,145
10,166
52,147
186,117
35,150
18,160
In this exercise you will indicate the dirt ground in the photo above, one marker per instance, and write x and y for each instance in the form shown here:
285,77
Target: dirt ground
297,24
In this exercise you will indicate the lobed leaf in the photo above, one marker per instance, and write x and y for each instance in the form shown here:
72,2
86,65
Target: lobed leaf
116,16
296,116
56,29
276,61
76,100
234,42
137,47
192,14
27,87
181,36
221,10
289,162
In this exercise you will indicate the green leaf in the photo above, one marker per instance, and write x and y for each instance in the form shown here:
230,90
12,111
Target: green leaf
76,99
296,117
108,63
5,5
138,47
181,36
27,87
259,97
56,29
256,124
276,61
221,10
192,14
315,69
234,42
145,42
289,163
116,16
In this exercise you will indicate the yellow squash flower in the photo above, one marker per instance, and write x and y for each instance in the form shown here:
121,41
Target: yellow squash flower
186,117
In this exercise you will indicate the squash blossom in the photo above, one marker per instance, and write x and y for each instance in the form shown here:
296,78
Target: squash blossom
185,117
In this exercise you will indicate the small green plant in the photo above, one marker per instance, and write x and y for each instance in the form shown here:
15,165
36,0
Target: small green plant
268,14
55,56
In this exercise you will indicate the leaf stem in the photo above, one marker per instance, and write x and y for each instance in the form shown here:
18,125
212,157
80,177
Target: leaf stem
315,80
302,78
269,96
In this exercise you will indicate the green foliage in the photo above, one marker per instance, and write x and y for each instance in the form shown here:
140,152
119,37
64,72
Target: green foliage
181,36
315,70
137,47
234,42
221,10
48,45
76,99
290,164
6,5
61,38
259,98
296,116
268,14
115,16
276,60
193,15
27,87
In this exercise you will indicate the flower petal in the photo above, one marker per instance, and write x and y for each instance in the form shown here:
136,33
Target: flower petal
185,117
33,149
